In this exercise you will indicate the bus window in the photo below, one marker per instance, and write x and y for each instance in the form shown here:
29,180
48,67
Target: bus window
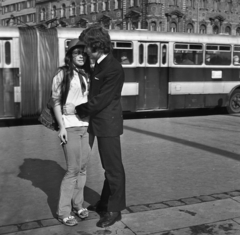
236,56
152,54
123,52
218,55
188,54
66,45
7,53
141,53
164,54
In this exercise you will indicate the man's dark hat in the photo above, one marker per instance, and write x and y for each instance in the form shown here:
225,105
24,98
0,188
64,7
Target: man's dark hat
74,43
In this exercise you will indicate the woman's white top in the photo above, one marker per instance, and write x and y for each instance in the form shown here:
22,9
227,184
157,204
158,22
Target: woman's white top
75,96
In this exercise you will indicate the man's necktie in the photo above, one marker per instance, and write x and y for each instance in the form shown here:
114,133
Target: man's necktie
96,67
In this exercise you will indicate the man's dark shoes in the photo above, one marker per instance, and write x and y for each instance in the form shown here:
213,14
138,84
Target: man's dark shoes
109,219
98,207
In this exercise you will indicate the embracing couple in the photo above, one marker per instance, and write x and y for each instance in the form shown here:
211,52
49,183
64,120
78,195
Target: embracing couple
87,104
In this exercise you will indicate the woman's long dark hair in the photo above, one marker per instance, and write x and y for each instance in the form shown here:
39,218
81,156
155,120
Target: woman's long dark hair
68,71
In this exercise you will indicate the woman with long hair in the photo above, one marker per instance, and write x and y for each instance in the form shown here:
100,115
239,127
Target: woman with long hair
70,85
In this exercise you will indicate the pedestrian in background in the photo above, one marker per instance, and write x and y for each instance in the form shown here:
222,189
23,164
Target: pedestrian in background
70,85
106,121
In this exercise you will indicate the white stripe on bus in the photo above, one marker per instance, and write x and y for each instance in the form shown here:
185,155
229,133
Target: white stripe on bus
130,89
183,88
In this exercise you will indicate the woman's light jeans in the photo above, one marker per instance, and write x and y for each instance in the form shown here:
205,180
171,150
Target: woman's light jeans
77,154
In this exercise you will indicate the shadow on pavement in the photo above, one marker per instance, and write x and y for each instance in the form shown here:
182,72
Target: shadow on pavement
210,149
47,176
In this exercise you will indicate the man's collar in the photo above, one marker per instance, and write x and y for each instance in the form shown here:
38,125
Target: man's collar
101,58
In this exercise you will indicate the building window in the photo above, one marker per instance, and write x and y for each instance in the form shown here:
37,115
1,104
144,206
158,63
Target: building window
160,27
96,6
119,4
33,17
42,14
73,9
115,4
103,5
136,3
81,9
238,31
192,3
215,30
6,9
54,12
131,3
24,18
173,27
204,4
203,29
228,30
28,4
135,25
85,8
108,6
153,26
190,28
19,6
63,11
92,6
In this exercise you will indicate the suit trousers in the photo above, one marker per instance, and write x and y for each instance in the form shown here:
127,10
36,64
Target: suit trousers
113,193
77,154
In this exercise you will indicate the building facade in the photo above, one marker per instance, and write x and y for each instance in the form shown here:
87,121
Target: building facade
190,16
18,12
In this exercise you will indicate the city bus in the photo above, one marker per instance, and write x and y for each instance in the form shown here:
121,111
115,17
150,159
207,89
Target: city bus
163,71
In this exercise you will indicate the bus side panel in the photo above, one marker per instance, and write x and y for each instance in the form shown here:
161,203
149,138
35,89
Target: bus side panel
208,87
197,101
152,91
186,101
153,88
203,74
163,87
8,80
1,94
216,100
140,78
188,74
129,102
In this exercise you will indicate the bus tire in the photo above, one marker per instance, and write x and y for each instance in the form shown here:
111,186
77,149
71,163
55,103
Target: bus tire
234,102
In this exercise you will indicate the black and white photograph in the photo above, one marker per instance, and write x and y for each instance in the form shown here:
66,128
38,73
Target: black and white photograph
119,117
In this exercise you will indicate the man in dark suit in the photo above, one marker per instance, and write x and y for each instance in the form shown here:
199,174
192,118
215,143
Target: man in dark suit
106,120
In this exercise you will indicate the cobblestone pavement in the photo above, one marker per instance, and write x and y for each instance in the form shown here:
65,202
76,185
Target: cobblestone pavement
133,210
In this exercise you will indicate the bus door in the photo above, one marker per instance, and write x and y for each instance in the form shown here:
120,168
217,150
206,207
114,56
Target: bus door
152,76
9,80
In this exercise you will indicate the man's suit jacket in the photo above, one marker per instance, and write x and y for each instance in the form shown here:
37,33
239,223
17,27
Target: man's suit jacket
104,106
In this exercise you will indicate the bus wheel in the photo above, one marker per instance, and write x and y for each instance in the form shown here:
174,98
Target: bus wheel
234,102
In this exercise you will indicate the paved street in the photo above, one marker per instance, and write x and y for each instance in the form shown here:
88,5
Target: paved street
174,164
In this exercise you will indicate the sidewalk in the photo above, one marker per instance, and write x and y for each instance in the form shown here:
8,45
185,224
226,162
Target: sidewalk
194,192
217,214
